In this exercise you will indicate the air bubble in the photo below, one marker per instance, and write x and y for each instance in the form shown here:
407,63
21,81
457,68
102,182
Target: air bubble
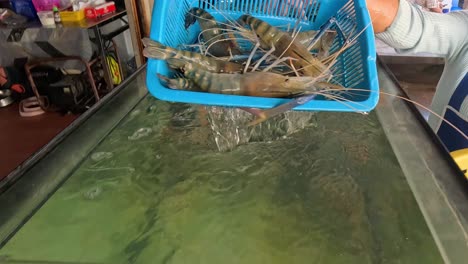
140,133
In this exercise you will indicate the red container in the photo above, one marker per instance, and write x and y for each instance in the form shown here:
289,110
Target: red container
100,10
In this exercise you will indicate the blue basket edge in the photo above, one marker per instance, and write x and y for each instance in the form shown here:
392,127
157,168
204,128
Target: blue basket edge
163,93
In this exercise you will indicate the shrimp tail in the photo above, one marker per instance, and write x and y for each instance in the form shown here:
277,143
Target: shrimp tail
254,111
176,64
147,42
154,49
171,83
191,17
154,53
177,83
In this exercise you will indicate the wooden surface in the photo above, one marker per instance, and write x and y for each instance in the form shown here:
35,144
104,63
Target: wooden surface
135,30
21,137
146,10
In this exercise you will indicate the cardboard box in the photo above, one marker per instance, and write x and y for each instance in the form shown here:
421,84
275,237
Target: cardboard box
100,10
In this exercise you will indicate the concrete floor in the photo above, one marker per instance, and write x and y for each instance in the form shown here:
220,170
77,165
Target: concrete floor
419,81
418,74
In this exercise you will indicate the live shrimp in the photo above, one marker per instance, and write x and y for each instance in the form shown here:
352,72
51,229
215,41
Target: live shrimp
159,51
262,84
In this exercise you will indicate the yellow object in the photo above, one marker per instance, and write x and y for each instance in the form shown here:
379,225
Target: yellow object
72,16
461,158
114,69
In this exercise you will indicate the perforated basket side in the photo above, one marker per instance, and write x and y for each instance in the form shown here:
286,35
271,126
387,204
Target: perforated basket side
273,8
349,69
368,79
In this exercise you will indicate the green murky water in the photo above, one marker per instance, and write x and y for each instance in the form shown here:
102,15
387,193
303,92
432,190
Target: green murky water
157,190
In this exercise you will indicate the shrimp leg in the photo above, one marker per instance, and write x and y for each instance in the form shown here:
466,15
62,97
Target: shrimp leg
301,100
322,31
253,111
326,28
266,114
177,83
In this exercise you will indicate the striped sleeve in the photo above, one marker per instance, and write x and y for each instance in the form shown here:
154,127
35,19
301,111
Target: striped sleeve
415,30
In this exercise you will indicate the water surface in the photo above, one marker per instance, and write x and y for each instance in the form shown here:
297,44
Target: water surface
157,190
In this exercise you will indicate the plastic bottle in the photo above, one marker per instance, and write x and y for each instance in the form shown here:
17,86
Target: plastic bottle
57,17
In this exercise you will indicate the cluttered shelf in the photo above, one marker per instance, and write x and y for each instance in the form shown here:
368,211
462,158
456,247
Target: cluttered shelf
85,23
30,24
17,17
90,22
85,57
51,13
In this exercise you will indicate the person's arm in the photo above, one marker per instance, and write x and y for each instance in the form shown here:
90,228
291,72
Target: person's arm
409,29
382,13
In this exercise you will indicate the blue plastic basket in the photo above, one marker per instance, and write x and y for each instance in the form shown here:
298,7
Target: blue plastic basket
355,68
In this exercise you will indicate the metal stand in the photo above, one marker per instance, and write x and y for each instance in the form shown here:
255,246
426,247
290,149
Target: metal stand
29,66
